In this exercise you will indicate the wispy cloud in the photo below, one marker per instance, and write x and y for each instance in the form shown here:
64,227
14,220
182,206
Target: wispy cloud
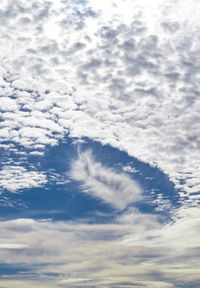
117,189
104,254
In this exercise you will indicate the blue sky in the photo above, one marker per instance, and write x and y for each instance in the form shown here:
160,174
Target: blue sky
99,144
62,197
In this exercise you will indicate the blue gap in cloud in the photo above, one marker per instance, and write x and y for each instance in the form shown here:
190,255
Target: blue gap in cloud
7,269
28,271
66,201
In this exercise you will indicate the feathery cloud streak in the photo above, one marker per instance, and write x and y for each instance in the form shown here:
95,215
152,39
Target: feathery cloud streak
118,189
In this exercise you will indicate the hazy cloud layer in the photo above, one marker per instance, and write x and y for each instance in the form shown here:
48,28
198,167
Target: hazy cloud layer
80,255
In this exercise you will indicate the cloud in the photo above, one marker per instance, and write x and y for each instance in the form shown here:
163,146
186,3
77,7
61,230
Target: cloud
117,189
88,253
129,169
12,246
15,178
129,78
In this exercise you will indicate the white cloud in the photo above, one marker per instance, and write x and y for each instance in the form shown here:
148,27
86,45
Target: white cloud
36,153
12,246
4,133
181,235
15,178
117,189
129,169
8,104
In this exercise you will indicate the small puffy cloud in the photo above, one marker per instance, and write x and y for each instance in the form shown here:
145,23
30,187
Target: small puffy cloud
8,104
117,189
129,169
36,153
4,133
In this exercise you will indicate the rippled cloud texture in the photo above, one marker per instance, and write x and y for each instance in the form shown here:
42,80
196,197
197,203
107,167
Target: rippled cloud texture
123,73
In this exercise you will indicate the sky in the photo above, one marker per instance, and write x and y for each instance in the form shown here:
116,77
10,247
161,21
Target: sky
99,144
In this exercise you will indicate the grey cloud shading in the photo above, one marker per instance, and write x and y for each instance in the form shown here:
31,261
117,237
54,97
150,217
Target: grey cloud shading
171,27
